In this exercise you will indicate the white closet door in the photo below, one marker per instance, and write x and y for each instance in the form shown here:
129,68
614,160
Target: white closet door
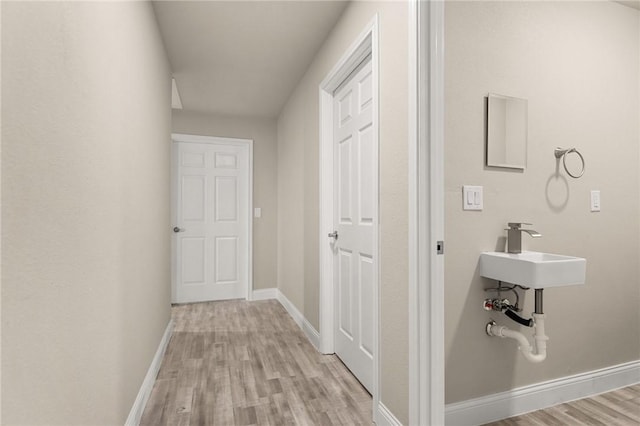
212,216
355,216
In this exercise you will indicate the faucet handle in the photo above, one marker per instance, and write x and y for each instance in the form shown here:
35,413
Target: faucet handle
517,225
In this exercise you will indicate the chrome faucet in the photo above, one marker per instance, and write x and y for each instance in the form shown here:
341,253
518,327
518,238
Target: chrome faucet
514,236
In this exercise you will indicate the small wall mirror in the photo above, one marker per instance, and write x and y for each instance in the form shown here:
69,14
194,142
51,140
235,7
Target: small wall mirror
506,132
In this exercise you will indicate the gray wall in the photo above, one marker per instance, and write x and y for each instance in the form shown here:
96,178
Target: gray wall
85,208
298,187
263,131
578,65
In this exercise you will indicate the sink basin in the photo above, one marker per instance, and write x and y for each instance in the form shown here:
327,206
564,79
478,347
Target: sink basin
533,269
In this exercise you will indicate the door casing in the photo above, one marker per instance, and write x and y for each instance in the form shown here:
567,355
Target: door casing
426,212
177,138
366,44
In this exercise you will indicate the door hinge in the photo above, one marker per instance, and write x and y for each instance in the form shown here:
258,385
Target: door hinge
440,247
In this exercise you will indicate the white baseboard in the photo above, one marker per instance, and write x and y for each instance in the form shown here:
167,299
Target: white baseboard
385,417
264,294
298,318
275,293
312,334
147,384
541,395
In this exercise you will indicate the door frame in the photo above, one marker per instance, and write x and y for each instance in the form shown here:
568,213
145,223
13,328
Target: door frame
180,138
366,44
426,212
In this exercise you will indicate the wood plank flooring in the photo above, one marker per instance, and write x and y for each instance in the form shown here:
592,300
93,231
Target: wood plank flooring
247,363
618,408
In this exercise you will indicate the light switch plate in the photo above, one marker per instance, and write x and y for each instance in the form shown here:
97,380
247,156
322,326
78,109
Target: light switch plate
257,212
472,198
595,201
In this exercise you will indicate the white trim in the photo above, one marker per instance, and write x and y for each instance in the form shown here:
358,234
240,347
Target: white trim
542,395
176,102
299,319
426,212
296,315
183,137
311,333
174,219
414,265
386,417
149,380
366,43
435,206
264,294
248,143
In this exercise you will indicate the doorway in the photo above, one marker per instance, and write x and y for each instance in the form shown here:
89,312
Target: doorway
211,205
349,188
354,212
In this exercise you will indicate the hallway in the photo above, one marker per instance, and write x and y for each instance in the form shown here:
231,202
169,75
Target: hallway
244,363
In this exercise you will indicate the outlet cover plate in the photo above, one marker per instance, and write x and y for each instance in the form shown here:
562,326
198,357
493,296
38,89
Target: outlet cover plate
595,201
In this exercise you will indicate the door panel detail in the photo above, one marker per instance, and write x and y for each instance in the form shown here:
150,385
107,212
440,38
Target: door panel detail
226,199
366,166
193,198
365,92
193,159
193,260
344,108
344,188
226,254
212,213
226,161
355,219
345,285
366,304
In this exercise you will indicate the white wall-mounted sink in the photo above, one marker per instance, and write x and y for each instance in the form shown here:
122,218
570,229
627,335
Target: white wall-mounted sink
533,269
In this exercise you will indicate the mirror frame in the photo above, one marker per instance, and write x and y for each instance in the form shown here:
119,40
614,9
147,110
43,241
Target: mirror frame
499,141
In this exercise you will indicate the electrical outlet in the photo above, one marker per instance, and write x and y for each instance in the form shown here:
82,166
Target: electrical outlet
595,201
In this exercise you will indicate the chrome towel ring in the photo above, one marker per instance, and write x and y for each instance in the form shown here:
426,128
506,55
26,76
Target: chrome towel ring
562,153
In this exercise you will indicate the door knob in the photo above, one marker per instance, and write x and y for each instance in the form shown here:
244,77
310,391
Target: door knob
176,229
333,235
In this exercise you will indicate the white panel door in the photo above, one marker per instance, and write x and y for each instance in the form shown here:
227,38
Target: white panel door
355,219
211,219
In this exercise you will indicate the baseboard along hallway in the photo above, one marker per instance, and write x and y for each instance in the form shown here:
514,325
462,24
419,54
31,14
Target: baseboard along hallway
617,408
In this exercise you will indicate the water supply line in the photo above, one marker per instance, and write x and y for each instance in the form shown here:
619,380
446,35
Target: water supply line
536,353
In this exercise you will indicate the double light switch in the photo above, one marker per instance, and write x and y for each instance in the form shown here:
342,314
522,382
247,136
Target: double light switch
472,197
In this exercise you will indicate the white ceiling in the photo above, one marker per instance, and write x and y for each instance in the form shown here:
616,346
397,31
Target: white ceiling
242,58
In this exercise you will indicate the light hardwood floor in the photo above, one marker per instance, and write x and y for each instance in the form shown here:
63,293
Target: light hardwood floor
617,408
248,363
